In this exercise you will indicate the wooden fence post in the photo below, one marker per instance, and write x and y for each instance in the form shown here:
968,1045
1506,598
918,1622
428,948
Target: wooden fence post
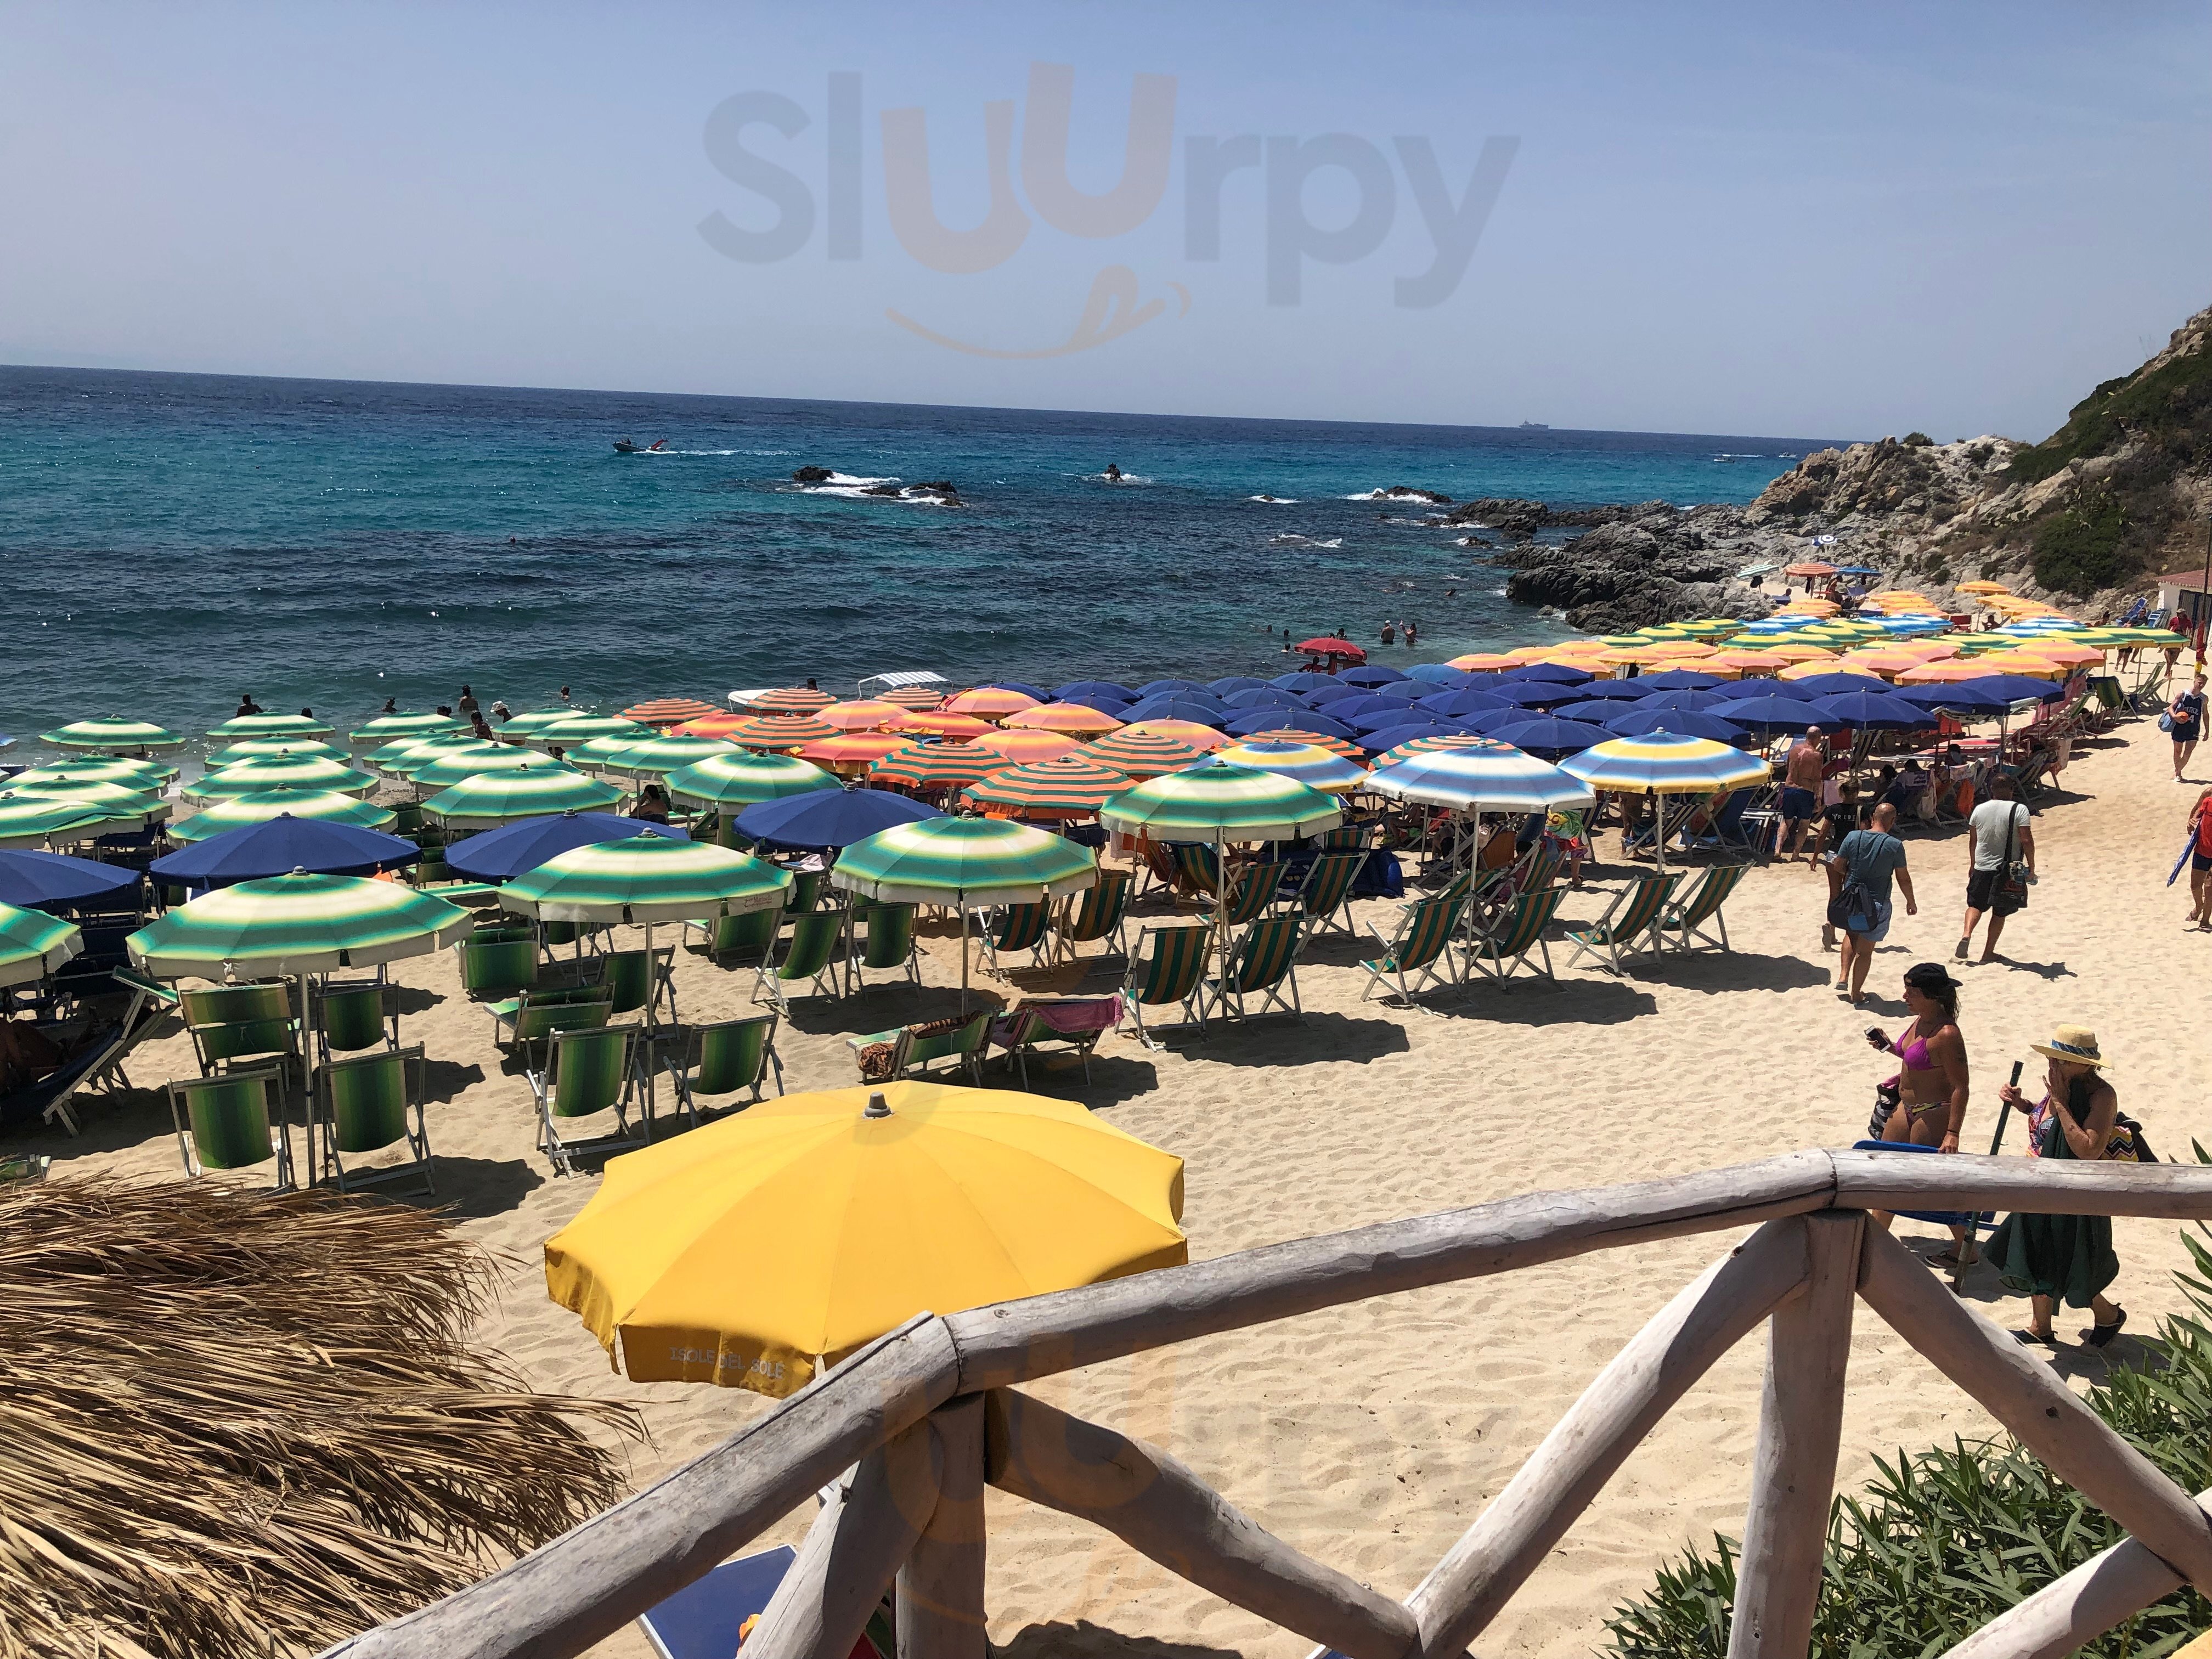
1800,1420
941,1588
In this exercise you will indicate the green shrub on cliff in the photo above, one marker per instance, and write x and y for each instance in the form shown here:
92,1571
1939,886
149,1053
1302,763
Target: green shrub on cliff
2078,550
2170,406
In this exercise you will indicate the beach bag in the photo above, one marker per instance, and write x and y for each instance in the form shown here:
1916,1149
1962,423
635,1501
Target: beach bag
2166,719
1886,1097
2012,890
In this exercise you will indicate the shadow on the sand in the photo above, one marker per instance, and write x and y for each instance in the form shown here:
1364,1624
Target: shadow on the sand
477,1188
416,999
2040,969
445,1079
1550,1002
1278,1040
1085,1640
110,1123
879,1007
1114,1078
1732,970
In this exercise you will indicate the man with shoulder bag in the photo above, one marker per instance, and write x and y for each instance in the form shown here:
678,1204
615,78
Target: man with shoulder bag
2000,865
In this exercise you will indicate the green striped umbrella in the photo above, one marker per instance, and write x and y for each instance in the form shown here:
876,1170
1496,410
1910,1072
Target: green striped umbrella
295,924
112,734
386,727
660,756
646,879
598,754
443,768
394,757
277,749
119,801
240,810
534,791
972,863
34,820
270,726
145,775
1213,802
582,728
251,777
536,719
33,943
744,780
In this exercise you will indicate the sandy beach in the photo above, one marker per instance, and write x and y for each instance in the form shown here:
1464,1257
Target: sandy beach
1370,1436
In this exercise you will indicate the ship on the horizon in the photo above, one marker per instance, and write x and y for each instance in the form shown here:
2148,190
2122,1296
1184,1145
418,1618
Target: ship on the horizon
1533,426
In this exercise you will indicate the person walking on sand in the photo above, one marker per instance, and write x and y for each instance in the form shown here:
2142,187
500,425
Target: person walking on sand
1932,1083
2200,861
2050,1258
2185,717
1859,872
1998,836
1800,792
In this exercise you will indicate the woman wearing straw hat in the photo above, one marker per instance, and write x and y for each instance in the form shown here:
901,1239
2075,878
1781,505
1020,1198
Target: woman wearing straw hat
2051,1257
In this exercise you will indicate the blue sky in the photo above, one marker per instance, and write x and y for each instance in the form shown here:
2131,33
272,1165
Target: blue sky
1783,219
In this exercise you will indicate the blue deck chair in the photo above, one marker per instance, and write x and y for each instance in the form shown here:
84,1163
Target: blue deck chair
1504,948
702,1620
1264,965
1325,895
1682,923
1100,914
1420,955
1976,1224
1168,967
1629,926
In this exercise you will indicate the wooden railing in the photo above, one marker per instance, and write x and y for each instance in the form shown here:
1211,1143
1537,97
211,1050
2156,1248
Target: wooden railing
924,1418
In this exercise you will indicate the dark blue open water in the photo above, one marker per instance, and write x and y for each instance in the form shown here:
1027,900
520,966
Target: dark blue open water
168,541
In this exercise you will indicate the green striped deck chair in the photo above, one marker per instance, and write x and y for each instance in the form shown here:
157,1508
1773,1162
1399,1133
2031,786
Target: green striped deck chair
406,820
1100,914
1264,965
230,1023
1171,970
960,1050
883,938
503,933
637,980
1629,926
1682,923
369,1102
1420,955
353,1015
811,954
1327,892
1505,947
1344,838
102,1068
726,1058
586,1072
1197,872
743,940
806,892
1018,928
536,1015
1251,890
498,969
230,1123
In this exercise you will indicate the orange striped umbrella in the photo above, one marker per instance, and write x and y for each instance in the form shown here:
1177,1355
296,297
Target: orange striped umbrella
943,725
1799,653
792,700
863,715
2020,662
668,711
1021,747
852,749
1203,738
1062,717
1743,662
1423,745
1336,746
779,731
913,697
1069,786
1140,755
1928,650
716,725
936,765
1476,662
1887,664
2062,651
1943,673
990,703
1810,568
1805,671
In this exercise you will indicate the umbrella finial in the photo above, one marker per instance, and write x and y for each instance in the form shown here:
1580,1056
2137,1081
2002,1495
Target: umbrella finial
877,1106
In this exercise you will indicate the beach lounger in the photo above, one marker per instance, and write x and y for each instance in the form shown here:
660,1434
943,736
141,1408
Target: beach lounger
1629,926
1018,928
582,1073
914,1052
1506,946
100,1065
1263,964
704,1619
229,1122
368,1102
882,939
1169,967
1325,895
1099,914
639,980
743,941
722,1059
1682,923
1420,953
809,954
1072,1025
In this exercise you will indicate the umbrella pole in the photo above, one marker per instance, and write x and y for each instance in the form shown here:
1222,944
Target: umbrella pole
962,899
1221,909
307,1082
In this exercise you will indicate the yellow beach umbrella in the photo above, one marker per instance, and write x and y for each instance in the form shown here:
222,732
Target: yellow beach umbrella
2020,662
1475,662
746,1252
1887,664
1986,590
1798,651
1944,673
1806,671
2070,652
1730,660
1928,650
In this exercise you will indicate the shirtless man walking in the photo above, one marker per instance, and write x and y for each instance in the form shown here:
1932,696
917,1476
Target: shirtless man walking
1800,792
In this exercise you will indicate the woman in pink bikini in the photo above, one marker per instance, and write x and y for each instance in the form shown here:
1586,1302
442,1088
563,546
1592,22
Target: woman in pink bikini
1932,1079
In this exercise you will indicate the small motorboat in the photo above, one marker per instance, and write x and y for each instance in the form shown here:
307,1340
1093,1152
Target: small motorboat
624,446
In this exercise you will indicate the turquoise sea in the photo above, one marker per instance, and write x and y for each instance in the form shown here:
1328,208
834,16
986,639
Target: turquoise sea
169,541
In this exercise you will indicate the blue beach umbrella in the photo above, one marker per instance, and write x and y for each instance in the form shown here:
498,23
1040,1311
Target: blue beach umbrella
1817,686
1558,672
1199,708
1305,680
1701,701
1768,714
1438,673
1635,720
1462,702
1678,679
38,881
1324,696
829,817
1379,719
1022,686
1083,691
1370,674
1959,698
281,845
1167,688
1388,738
516,849
1264,696
1873,711
1278,719
1539,694
1614,691
2020,688
1763,685
1231,683
1479,780
1549,737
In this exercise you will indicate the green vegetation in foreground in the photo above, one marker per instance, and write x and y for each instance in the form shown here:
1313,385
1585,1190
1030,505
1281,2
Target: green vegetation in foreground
1942,1542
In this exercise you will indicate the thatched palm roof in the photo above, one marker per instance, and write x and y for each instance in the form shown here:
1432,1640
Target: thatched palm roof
240,1423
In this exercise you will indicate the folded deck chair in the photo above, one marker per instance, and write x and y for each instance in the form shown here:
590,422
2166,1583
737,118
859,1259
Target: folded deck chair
1420,955
1099,914
1168,967
1263,964
1504,949
883,941
741,941
582,1073
1325,895
1629,926
1018,928
812,953
370,1102
231,1121
1683,922
722,1059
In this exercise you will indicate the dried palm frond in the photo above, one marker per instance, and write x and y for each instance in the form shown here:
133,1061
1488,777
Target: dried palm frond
247,1423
